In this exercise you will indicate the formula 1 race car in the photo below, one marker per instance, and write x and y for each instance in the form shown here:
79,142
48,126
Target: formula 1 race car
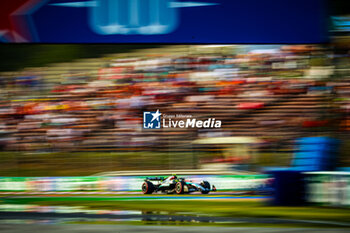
173,184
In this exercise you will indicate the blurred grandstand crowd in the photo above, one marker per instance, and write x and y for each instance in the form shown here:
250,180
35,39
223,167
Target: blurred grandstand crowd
276,94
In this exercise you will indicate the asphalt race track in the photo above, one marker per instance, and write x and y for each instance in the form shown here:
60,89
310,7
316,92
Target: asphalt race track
149,217
92,228
17,221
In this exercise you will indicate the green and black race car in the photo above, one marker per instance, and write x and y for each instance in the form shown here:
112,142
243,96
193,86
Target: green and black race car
173,184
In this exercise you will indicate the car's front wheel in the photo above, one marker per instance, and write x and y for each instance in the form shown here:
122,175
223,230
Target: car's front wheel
206,185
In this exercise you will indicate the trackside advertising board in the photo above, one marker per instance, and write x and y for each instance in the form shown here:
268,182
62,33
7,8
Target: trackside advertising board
163,21
328,188
120,183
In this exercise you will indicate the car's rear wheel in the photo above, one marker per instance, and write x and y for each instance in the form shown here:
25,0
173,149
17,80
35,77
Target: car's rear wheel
179,187
206,185
147,187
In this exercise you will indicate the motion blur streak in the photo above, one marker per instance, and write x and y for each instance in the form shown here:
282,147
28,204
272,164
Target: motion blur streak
274,93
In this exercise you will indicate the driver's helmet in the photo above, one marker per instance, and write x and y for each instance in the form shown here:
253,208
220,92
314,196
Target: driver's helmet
173,177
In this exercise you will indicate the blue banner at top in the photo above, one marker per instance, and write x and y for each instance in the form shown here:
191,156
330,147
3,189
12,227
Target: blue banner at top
163,21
